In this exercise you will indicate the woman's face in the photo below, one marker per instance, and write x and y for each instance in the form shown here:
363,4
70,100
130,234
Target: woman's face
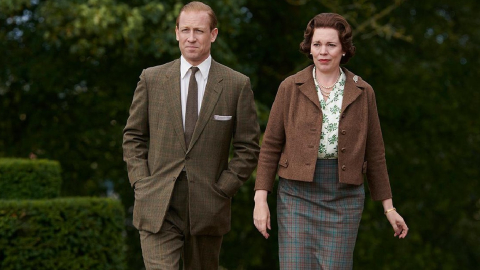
326,49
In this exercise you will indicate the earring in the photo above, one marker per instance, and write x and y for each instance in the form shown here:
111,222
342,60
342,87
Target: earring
343,54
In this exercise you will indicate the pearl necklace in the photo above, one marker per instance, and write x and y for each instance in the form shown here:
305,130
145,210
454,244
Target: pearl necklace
325,93
328,87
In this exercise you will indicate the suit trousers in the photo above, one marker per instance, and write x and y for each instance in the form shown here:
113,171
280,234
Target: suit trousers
163,250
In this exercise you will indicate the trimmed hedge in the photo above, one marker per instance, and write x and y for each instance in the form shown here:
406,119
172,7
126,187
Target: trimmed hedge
29,179
70,233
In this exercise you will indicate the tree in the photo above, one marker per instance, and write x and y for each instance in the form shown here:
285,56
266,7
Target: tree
70,68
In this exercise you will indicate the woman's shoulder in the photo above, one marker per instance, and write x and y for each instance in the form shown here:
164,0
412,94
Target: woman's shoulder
354,79
300,77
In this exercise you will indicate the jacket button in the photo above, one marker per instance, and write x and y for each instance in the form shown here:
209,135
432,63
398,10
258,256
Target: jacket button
308,164
343,115
344,168
343,150
310,146
187,158
313,129
344,132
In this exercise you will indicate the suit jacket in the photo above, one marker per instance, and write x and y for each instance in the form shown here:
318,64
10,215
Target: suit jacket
293,134
155,151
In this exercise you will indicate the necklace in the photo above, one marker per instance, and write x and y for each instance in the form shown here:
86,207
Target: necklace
325,93
328,87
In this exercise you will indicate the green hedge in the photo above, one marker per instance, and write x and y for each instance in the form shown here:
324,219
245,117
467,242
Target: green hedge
29,179
71,233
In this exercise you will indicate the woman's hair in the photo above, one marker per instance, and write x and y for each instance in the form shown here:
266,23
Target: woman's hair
329,20
199,6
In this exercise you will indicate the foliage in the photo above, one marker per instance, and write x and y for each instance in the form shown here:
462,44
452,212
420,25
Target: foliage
75,233
70,68
29,179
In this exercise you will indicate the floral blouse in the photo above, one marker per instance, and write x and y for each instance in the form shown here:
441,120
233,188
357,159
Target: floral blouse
331,110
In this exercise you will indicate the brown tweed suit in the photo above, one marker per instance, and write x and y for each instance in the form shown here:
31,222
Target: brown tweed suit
155,151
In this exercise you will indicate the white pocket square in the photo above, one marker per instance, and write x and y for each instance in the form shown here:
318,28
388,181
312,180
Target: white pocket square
222,117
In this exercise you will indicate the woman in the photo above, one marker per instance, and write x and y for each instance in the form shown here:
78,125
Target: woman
323,135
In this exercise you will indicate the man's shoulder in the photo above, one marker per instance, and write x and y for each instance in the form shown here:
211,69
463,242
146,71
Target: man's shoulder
227,71
163,67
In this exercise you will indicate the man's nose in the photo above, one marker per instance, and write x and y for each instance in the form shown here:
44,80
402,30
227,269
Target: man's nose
191,37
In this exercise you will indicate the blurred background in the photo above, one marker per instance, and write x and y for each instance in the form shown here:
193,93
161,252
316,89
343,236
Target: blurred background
68,70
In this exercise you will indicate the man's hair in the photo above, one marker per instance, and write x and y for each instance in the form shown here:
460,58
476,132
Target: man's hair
329,20
199,6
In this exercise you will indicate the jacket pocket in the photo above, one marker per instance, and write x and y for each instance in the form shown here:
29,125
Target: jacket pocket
364,167
283,160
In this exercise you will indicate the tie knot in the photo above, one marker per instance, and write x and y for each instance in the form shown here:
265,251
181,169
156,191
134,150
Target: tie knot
194,70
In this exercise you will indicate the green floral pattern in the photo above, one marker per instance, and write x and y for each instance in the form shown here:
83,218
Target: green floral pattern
331,110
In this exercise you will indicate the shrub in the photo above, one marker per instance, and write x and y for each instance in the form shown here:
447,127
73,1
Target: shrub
29,179
70,233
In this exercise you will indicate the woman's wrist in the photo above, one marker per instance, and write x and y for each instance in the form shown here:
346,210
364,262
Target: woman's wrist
260,195
390,210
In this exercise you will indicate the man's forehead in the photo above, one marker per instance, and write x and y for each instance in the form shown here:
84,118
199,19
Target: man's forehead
194,18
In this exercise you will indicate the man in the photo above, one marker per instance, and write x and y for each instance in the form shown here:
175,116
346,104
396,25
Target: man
183,118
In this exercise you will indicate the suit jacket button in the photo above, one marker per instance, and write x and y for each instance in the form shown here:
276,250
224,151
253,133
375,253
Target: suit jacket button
343,150
187,158
344,132
344,168
310,146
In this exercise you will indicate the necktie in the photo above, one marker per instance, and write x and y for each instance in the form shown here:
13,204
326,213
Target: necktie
191,114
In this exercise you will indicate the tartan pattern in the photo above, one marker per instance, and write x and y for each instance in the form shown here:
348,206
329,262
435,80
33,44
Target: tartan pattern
318,221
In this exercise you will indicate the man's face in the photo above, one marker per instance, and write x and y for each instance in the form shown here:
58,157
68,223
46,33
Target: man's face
194,36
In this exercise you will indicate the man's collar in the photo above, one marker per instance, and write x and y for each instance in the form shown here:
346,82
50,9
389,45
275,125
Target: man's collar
204,67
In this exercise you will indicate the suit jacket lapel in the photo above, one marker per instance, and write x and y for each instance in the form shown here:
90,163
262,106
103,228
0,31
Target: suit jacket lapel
172,90
213,89
354,86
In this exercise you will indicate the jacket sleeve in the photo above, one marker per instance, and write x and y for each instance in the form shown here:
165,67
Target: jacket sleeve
377,175
136,134
245,143
272,145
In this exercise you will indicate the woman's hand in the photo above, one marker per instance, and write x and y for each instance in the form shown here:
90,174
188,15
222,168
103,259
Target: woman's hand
261,213
398,224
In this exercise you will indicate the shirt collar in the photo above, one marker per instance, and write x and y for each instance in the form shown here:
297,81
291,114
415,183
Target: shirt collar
204,67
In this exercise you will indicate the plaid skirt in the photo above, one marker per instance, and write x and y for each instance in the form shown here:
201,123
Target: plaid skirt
318,221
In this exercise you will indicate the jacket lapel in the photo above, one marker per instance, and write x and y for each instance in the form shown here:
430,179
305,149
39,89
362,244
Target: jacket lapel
354,86
172,90
307,85
213,89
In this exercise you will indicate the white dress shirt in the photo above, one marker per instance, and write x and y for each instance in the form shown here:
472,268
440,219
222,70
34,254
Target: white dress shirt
201,76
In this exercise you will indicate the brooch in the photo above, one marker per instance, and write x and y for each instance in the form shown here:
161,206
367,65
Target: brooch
355,78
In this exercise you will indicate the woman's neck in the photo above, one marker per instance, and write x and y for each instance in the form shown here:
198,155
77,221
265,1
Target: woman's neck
327,79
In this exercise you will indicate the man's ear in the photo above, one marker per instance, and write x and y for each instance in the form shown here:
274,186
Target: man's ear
213,34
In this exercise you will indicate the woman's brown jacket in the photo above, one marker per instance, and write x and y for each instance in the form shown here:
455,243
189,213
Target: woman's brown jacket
293,133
